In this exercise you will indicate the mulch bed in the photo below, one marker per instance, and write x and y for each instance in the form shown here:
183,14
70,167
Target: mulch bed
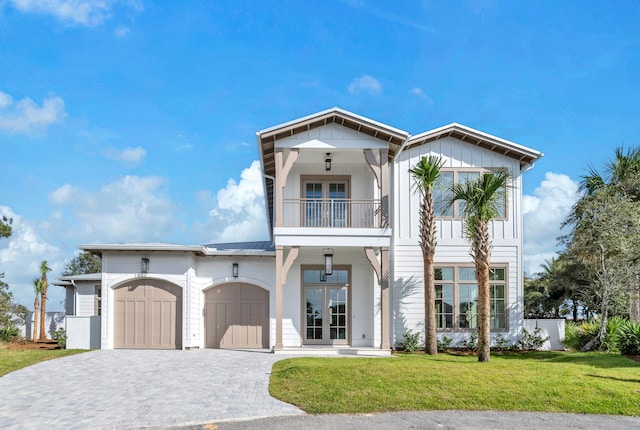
43,345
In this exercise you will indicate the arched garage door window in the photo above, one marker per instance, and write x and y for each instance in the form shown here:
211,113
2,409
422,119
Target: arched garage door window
236,316
148,315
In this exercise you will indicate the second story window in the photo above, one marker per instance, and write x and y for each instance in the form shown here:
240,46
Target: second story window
442,193
325,202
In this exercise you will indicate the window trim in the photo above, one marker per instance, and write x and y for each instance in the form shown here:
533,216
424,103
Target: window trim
456,296
480,170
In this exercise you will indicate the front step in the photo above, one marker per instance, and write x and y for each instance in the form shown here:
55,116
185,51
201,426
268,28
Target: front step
312,350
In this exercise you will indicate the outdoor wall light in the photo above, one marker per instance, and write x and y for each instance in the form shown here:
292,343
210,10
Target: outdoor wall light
327,162
328,261
144,265
234,270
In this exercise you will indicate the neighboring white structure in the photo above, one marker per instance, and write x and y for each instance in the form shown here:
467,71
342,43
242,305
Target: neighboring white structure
344,268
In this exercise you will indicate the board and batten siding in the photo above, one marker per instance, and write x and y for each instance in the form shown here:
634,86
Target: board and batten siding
453,248
461,156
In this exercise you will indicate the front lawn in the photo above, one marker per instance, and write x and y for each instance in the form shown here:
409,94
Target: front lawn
12,359
590,383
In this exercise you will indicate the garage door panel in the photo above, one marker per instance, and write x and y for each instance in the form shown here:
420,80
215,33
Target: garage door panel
148,316
237,316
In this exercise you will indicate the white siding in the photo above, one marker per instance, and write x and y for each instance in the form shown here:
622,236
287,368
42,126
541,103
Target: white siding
85,304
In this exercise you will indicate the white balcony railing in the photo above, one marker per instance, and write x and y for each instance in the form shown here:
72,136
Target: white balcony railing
331,213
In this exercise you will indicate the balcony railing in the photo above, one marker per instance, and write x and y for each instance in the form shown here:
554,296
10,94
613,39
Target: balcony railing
332,213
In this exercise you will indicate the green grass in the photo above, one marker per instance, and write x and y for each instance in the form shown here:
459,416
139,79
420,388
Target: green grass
11,360
589,383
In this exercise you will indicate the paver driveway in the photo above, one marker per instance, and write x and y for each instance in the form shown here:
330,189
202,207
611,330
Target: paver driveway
132,389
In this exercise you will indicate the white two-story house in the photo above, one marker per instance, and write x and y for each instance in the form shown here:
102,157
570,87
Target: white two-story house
343,270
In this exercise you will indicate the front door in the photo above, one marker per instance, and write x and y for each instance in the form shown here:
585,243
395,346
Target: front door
326,307
325,202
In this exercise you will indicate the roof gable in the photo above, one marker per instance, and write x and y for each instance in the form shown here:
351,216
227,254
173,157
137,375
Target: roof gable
526,156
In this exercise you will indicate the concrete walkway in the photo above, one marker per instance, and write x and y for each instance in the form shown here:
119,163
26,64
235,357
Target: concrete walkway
131,389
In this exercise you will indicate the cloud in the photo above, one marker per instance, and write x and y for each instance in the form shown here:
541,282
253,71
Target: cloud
543,214
121,31
20,258
418,92
388,16
131,209
238,212
25,116
130,156
365,84
81,12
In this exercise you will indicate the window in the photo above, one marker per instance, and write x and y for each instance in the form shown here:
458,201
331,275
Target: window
442,193
97,300
457,298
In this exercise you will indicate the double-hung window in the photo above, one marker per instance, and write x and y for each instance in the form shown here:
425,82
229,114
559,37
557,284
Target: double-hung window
457,298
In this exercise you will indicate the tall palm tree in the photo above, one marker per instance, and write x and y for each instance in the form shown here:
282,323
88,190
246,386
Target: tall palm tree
481,200
43,302
37,285
425,174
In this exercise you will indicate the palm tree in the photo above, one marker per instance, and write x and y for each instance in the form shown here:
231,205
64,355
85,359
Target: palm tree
482,199
43,302
425,174
37,285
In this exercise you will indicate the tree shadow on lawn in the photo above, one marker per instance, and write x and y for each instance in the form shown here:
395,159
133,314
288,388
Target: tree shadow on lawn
613,378
595,359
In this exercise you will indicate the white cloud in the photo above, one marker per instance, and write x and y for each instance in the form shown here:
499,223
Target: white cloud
121,31
127,155
238,212
25,116
132,209
418,92
81,12
365,84
20,258
543,214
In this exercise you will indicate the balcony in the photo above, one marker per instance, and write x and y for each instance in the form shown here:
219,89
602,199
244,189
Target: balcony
332,213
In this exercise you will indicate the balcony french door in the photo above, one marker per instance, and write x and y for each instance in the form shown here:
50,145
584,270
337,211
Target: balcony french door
326,203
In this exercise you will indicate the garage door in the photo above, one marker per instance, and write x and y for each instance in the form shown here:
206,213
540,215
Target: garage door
237,316
148,315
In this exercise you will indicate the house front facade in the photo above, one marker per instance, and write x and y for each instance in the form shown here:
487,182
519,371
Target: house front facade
343,269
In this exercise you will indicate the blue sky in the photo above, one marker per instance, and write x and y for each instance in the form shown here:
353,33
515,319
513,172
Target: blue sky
134,121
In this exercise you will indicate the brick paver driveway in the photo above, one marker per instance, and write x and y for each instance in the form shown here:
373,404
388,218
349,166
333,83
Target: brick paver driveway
132,389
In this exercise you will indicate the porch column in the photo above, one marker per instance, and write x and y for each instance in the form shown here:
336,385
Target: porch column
380,169
282,171
385,307
282,269
279,254
381,268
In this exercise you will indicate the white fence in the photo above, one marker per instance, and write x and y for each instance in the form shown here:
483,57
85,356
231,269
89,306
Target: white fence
83,332
52,322
553,328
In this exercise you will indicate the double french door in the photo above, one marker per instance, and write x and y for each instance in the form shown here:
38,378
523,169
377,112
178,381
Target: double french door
326,308
325,202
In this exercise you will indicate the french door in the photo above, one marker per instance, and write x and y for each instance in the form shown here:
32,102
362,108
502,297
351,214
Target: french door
326,308
326,202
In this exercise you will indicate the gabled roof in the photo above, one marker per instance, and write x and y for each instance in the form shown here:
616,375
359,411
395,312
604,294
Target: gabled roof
507,148
268,137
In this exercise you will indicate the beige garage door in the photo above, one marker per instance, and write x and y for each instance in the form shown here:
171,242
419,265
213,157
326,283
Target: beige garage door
148,315
237,316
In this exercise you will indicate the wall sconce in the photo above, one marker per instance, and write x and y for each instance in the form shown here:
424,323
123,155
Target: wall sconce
327,162
144,265
234,270
328,261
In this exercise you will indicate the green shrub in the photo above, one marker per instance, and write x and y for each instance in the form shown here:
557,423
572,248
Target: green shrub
444,343
532,340
627,338
503,344
471,343
577,335
410,341
61,336
9,333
